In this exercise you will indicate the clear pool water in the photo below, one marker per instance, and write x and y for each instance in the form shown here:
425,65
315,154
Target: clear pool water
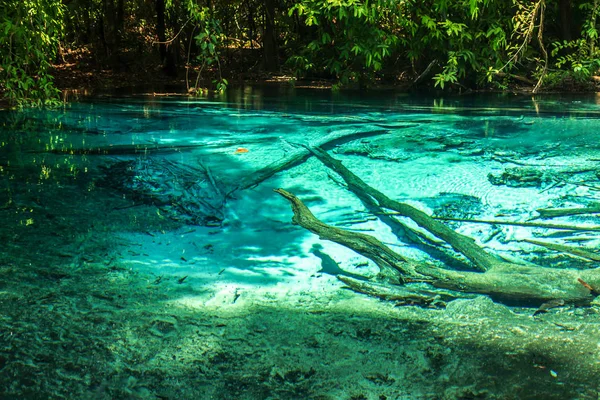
145,255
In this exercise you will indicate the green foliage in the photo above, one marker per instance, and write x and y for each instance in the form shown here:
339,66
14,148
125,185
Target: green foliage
469,36
351,39
447,44
29,35
581,56
575,56
354,39
209,40
470,40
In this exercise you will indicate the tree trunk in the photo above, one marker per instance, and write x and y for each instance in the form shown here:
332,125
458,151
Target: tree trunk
501,280
120,21
160,29
108,27
166,52
251,23
270,50
566,16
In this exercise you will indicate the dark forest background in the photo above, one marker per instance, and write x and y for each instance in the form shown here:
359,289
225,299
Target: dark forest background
443,44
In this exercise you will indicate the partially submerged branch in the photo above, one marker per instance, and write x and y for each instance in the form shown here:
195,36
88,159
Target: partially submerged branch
463,244
501,280
564,212
576,251
527,224
402,295
298,156
385,258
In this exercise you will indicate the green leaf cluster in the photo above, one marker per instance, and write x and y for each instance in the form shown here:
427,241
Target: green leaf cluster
447,44
350,39
357,39
581,56
30,31
209,39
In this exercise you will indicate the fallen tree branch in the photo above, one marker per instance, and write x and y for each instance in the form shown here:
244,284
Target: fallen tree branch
505,282
298,156
529,224
462,244
563,212
402,295
409,235
385,258
502,280
515,283
577,251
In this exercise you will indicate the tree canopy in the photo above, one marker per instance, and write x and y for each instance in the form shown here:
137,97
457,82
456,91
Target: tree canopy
441,43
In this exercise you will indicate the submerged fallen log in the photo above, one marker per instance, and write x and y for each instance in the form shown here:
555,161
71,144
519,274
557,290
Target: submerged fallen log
300,155
563,212
566,227
182,192
501,280
386,259
401,295
576,251
463,244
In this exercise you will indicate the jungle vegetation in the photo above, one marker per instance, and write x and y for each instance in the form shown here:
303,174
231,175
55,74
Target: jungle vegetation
449,45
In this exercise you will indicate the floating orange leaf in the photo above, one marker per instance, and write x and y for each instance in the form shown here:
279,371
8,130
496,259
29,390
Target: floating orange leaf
586,285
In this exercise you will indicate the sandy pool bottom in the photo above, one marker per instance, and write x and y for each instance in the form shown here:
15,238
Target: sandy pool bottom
112,332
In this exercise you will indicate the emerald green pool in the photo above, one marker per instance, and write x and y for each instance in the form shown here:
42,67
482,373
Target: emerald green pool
145,255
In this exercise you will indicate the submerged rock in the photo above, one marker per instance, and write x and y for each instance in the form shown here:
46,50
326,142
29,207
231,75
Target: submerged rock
519,177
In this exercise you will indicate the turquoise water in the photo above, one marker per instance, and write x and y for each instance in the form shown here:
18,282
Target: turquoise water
145,254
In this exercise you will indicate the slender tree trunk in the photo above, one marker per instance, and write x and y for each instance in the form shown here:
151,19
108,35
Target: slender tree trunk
117,32
270,51
120,20
173,53
106,24
88,22
167,53
566,17
160,29
251,24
